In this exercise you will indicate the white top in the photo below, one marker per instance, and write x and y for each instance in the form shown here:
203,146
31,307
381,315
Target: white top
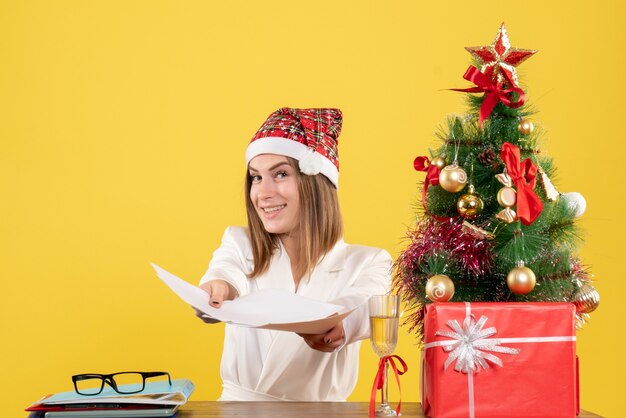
265,365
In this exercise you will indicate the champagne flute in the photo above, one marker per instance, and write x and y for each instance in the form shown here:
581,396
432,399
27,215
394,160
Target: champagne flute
384,314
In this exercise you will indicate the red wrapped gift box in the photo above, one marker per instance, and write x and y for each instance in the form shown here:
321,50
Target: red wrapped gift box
535,344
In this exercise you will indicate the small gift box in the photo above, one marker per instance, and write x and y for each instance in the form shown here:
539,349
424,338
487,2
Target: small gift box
499,360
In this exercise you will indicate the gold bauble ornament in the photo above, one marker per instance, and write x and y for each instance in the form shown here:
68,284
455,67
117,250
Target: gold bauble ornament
586,299
439,288
521,279
439,162
507,197
525,127
470,205
452,178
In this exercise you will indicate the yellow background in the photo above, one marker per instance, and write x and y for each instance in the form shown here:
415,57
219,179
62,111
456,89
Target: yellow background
123,126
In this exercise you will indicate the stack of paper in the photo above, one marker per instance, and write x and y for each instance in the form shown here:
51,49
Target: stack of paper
275,309
158,399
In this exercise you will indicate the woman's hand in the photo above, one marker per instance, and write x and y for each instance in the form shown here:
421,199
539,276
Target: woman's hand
327,342
219,291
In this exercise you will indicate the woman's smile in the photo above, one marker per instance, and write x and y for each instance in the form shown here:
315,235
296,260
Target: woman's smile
273,209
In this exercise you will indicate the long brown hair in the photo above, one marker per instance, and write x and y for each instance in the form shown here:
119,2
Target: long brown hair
320,224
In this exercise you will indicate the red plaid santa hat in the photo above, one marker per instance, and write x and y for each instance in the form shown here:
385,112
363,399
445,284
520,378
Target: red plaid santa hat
308,135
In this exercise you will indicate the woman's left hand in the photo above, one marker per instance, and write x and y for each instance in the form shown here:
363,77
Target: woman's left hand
327,342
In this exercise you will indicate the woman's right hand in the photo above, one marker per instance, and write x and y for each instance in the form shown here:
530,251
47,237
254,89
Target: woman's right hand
219,291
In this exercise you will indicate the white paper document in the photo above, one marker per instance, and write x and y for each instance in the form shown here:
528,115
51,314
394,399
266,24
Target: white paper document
267,308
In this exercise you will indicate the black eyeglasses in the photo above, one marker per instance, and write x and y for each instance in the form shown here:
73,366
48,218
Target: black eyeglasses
124,382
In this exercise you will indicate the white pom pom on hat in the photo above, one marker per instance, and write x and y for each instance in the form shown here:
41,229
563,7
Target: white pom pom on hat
311,163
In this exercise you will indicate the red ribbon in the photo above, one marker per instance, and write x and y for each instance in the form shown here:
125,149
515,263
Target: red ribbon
432,178
494,92
379,381
523,175
432,174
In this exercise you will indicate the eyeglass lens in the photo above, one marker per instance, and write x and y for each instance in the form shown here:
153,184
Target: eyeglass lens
89,385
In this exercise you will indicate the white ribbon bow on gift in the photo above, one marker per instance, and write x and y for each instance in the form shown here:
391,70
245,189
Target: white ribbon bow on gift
470,345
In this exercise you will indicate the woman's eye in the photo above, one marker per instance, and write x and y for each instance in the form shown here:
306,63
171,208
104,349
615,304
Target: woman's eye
255,178
281,174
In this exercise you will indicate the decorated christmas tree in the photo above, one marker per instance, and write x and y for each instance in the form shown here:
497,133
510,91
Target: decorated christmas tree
491,225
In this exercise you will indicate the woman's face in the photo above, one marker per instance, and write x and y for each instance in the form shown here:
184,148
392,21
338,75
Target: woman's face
274,193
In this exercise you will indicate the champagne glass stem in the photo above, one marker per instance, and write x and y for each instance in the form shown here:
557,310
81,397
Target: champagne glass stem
384,394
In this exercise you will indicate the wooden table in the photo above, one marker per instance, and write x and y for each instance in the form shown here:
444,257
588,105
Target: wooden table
296,410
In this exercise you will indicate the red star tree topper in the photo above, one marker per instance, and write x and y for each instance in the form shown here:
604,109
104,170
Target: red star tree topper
500,57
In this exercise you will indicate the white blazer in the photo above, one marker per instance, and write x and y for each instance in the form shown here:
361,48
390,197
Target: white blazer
262,365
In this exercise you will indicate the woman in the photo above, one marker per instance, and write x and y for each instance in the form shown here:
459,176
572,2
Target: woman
294,242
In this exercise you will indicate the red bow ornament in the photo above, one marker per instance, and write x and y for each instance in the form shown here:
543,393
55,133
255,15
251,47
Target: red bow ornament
379,380
432,179
523,176
432,174
494,93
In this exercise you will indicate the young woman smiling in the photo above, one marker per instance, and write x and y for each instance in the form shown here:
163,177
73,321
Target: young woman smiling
294,241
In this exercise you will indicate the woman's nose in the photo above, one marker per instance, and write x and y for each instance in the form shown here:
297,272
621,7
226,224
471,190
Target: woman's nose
267,189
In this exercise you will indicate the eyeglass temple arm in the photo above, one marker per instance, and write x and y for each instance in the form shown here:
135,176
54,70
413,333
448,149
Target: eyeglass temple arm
153,374
84,376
